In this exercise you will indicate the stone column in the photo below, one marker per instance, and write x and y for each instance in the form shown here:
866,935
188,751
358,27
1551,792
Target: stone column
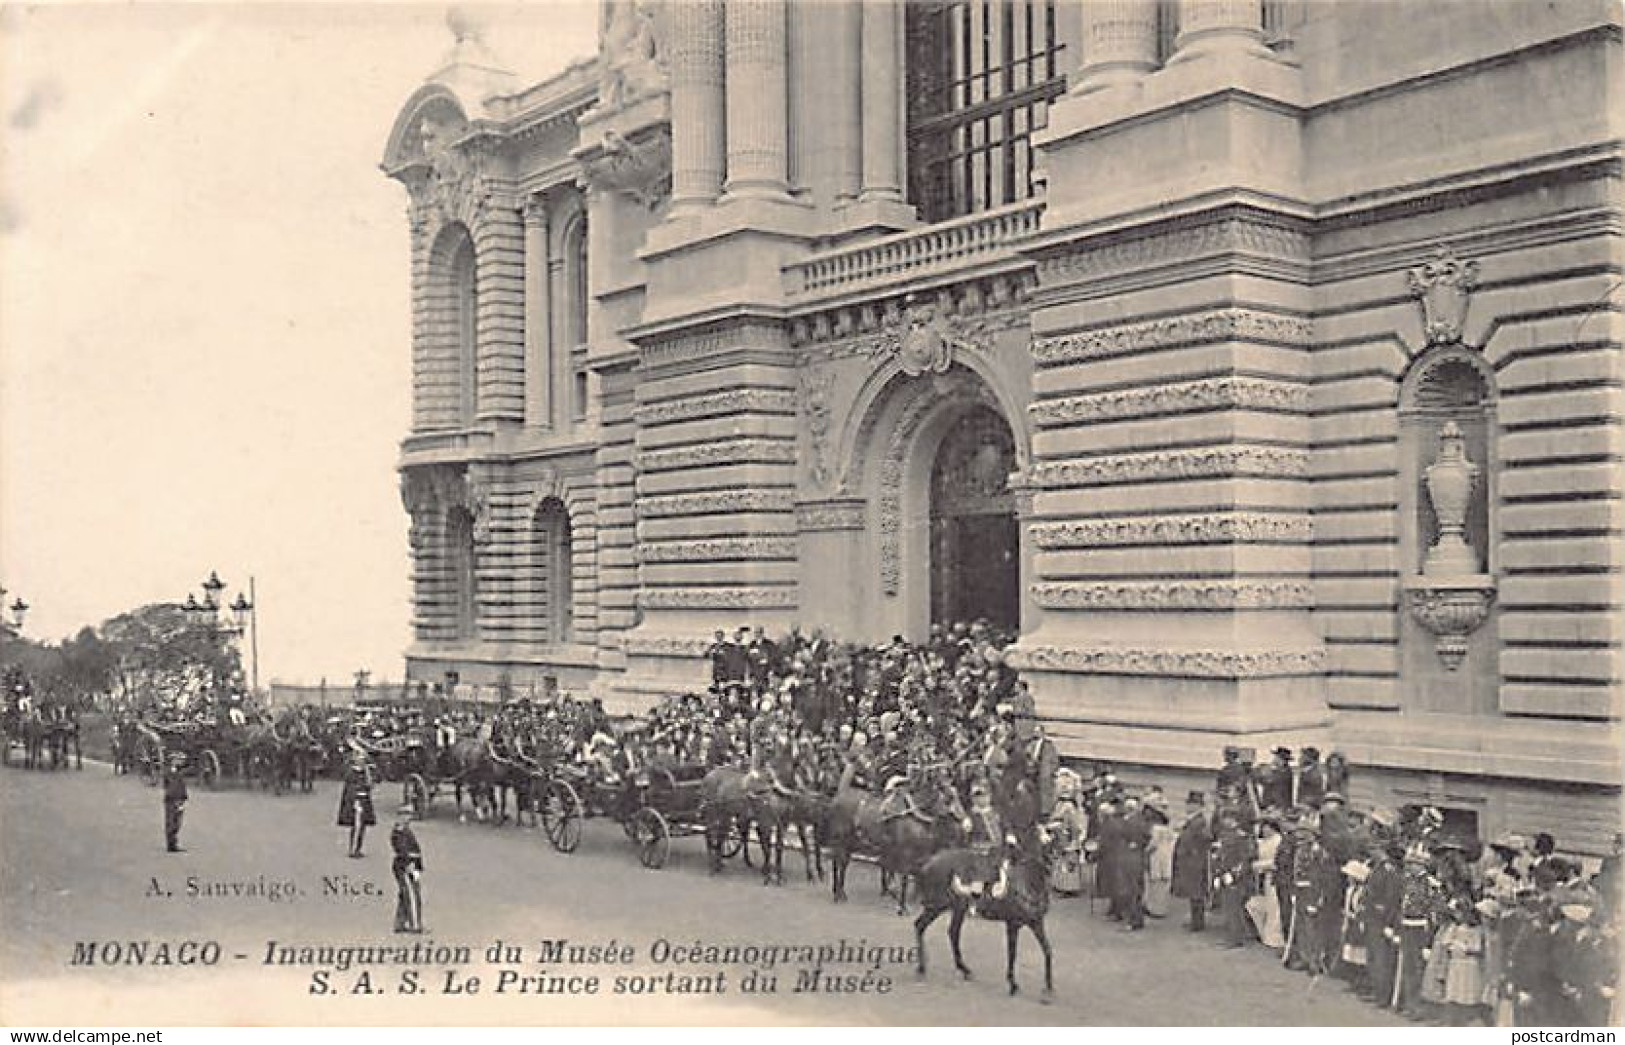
757,101
1119,43
1220,27
846,103
826,149
538,331
696,35
882,100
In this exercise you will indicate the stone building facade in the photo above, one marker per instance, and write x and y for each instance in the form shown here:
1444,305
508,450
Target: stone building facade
1261,362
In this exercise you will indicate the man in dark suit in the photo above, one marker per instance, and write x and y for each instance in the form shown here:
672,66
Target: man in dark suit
175,796
1191,880
1133,846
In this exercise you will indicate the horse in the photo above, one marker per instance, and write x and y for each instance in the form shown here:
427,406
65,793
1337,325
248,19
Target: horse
468,763
724,808
771,805
1023,905
902,840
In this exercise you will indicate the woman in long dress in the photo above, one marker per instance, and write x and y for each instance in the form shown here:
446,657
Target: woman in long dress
1071,825
1159,857
1264,907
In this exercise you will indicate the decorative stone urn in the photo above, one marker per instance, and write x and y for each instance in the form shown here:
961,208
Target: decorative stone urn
1450,598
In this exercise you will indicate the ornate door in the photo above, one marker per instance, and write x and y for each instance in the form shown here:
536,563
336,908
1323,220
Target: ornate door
975,554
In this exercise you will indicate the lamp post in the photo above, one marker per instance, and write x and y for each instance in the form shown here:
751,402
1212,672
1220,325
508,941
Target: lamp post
244,619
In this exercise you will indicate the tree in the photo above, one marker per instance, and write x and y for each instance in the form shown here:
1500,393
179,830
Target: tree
159,653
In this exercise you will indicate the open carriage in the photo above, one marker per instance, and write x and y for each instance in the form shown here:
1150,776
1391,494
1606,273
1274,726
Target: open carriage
198,745
653,805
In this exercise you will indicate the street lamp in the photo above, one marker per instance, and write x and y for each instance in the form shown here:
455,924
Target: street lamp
243,618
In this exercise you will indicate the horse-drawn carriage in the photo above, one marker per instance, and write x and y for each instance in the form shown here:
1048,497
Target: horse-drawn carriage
653,805
193,744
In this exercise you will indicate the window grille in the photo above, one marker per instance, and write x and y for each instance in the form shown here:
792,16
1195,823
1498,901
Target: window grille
980,77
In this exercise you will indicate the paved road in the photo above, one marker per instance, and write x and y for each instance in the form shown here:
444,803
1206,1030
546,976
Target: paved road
81,860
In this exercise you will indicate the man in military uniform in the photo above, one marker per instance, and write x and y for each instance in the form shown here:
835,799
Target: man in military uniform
1383,891
1233,873
408,869
175,796
1419,907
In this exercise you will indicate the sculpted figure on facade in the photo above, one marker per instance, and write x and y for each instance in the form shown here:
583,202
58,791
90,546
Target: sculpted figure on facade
1444,285
927,341
634,62
639,169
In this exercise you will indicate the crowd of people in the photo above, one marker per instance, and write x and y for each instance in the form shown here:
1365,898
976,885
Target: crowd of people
1406,905
1416,914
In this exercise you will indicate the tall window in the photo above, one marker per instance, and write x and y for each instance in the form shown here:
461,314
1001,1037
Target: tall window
575,318
467,304
555,570
981,75
462,563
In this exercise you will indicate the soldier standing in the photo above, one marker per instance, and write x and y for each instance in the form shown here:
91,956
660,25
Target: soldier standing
355,802
408,868
174,804
1233,874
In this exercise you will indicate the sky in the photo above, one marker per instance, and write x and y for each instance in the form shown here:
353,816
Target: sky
205,309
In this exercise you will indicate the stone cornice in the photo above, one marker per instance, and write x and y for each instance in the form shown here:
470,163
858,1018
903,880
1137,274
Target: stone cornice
718,549
716,502
665,645
717,598
1232,230
722,451
1205,528
1227,324
1212,393
687,347
718,404
1174,595
1176,663
842,514
1208,462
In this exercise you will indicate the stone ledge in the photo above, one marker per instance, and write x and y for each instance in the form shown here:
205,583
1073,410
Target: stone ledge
1169,662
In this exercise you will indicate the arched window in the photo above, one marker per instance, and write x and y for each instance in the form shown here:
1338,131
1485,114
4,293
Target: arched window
554,571
576,290
461,564
466,295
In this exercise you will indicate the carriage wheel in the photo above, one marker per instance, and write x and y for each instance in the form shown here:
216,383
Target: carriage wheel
653,836
210,768
734,842
415,793
561,816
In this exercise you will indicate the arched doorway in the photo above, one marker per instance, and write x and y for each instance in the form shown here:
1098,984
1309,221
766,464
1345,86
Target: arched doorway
975,539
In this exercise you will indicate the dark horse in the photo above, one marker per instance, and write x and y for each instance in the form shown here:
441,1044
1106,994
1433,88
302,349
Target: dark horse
1023,906
859,821
1025,900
